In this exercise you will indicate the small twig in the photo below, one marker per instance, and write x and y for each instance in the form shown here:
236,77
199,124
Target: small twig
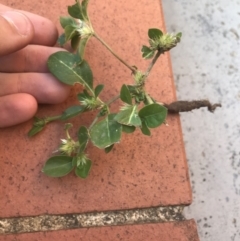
112,100
185,106
110,49
53,118
93,123
152,64
133,70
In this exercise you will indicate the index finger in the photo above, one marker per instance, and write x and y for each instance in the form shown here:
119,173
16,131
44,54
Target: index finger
41,27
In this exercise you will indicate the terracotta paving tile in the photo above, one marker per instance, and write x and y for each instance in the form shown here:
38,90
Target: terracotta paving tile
141,171
182,231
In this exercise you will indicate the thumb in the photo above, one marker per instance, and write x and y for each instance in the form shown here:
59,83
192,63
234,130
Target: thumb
16,31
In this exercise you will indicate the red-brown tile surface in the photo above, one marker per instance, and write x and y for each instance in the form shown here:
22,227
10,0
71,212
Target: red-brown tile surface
182,231
141,171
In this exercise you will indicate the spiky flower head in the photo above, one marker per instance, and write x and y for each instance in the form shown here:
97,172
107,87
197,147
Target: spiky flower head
84,29
165,42
90,103
139,77
80,159
68,146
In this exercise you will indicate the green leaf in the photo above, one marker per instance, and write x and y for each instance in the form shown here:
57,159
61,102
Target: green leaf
147,53
58,166
109,148
75,11
65,67
106,132
153,115
34,130
129,116
125,95
75,42
98,90
179,36
71,112
65,21
82,46
145,130
83,169
128,129
83,138
61,40
154,33
74,161
81,96
84,9
70,32
84,95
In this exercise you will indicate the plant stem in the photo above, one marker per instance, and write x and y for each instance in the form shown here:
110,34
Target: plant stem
149,99
133,70
112,100
53,118
93,123
152,64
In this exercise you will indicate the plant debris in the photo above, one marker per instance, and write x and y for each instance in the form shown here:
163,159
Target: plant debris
186,106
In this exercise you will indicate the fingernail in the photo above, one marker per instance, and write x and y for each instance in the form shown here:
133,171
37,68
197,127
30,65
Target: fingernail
18,21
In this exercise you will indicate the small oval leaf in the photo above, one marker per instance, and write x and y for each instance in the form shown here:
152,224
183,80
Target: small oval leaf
84,9
145,130
83,169
61,40
128,129
75,42
109,148
154,33
153,115
70,32
147,53
98,90
75,11
83,138
65,21
72,111
179,36
125,95
58,166
34,130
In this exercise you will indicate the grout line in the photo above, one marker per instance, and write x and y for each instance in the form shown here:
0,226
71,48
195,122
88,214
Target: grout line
85,220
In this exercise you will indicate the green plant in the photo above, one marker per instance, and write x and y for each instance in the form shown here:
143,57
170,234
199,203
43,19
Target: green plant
138,110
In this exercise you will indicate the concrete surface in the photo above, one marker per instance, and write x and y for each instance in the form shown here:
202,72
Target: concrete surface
206,65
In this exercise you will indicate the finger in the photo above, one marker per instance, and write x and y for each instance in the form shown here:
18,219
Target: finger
16,108
42,86
16,31
45,32
32,58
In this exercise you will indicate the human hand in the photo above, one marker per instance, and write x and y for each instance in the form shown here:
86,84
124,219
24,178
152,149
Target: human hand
24,77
